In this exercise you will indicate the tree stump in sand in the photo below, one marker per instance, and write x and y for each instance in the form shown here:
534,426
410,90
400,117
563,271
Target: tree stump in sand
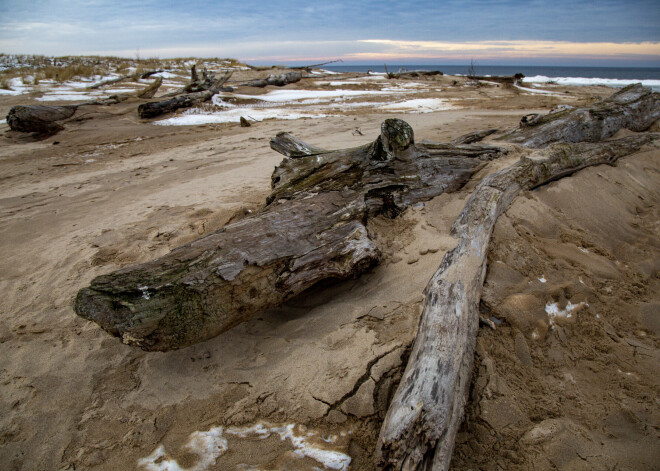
313,228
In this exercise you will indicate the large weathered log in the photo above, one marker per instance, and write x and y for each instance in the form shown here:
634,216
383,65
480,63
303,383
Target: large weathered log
634,107
203,91
421,424
276,80
39,118
157,108
313,228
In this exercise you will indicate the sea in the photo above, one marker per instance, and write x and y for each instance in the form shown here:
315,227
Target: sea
609,76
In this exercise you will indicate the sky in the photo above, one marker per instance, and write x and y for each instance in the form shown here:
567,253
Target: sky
506,32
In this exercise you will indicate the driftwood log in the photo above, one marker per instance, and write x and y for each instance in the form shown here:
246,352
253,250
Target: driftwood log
313,228
634,107
421,423
275,80
204,90
44,119
150,91
413,74
134,76
41,119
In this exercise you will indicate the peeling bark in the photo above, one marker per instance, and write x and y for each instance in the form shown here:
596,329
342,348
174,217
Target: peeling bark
421,424
313,228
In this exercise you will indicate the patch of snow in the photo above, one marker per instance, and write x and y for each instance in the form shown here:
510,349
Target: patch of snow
537,92
233,115
166,75
210,445
553,311
591,81
284,96
420,105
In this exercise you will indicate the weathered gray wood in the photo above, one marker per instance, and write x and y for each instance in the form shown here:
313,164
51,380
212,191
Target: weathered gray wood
133,76
290,146
39,118
198,92
158,108
634,107
472,137
421,424
275,80
151,90
313,228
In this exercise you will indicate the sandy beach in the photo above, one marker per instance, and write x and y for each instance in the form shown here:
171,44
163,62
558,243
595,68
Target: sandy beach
567,379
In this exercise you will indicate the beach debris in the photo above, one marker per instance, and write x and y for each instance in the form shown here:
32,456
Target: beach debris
276,80
134,76
244,122
41,119
402,73
150,91
472,137
357,132
634,107
426,411
312,228
44,119
198,91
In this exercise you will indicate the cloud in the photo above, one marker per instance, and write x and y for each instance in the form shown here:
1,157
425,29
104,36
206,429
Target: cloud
286,30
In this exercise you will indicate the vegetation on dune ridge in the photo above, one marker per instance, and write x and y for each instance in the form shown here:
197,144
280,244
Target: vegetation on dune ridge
33,68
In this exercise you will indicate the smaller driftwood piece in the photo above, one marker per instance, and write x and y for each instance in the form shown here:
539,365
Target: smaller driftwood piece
312,228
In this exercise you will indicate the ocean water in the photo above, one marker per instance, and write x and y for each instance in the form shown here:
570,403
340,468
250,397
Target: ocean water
610,76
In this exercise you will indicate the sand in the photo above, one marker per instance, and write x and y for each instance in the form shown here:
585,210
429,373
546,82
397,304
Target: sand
306,385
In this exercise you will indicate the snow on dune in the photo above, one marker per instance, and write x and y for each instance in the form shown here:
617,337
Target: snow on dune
590,81
420,105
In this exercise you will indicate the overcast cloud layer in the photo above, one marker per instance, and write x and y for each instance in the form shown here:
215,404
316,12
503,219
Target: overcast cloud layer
370,31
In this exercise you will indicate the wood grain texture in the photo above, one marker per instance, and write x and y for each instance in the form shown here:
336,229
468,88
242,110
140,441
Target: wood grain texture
312,228
421,423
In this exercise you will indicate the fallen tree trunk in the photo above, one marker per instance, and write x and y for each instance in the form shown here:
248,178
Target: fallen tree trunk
503,79
157,108
634,107
421,423
413,73
43,119
205,91
39,118
312,228
275,80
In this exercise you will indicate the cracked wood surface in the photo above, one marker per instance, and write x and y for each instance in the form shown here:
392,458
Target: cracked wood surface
634,107
421,424
313,228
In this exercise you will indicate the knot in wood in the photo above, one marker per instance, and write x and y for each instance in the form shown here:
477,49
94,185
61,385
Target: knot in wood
397,136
